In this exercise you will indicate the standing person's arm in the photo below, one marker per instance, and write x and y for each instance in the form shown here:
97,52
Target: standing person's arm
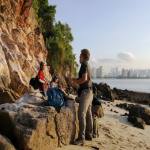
84,77
81,80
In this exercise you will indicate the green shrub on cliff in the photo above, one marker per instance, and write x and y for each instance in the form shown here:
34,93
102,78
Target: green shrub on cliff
57,36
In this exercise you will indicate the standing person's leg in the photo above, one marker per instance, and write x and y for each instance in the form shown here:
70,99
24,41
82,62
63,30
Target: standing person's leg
89,118
83,107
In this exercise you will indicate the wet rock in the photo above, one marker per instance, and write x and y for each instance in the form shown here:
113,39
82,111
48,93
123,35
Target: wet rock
103,91
137,122
146,116
125,106
138,115
140,112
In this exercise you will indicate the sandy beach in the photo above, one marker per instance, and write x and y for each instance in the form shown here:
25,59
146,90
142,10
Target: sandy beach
116,133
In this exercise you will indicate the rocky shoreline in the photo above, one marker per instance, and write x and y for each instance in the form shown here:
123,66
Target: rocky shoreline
30,124
105,92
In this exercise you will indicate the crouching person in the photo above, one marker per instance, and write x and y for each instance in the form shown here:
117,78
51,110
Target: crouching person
39,82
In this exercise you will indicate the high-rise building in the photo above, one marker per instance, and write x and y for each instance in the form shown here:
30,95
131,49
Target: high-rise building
114,72
93,70
99,72
124,73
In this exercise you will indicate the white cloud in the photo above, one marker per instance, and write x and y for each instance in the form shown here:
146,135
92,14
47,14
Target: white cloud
126,56
108,61
122,60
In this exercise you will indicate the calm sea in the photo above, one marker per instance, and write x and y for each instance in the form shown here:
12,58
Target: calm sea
140,85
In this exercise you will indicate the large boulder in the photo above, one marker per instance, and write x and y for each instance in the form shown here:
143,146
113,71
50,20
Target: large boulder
137,122
139,116
104,91
140,112
35,127
5,144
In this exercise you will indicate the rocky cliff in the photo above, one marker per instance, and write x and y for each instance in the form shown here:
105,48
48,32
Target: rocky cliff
21,47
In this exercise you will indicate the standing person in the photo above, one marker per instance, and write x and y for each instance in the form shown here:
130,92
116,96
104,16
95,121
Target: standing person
85,96
41,78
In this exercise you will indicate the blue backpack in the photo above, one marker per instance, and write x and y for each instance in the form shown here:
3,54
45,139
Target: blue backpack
55,97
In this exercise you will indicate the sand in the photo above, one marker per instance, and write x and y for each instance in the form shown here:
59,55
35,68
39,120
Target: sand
116,133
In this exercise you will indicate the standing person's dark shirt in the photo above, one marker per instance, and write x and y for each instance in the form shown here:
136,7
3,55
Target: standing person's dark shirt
85,69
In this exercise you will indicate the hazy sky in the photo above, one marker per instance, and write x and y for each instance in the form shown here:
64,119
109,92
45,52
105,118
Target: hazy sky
116,31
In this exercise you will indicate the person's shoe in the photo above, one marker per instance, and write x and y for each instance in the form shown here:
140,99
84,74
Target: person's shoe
88,138
79,142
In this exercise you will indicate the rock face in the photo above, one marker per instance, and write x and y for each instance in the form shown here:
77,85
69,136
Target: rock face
21,45
34,127
5,144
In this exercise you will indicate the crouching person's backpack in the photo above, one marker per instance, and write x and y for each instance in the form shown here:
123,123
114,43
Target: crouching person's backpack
55,97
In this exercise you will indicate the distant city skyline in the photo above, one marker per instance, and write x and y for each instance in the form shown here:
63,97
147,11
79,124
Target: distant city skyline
117,32
120,73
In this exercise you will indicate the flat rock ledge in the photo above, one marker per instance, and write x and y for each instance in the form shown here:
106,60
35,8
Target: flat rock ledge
31,126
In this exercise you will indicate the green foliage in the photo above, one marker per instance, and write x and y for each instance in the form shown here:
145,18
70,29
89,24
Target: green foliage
57,36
